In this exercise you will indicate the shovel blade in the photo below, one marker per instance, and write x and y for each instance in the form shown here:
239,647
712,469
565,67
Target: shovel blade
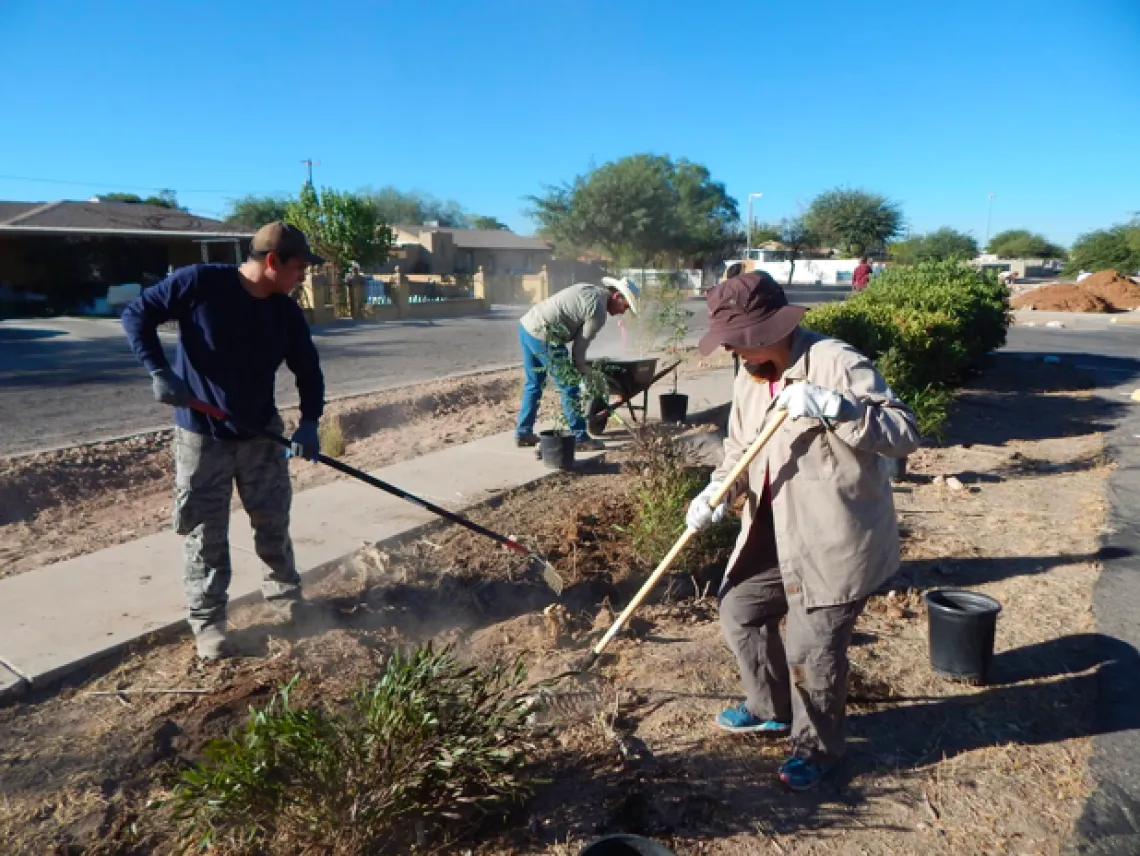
549,576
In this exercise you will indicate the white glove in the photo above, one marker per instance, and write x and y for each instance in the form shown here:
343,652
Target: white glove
806,400
701,514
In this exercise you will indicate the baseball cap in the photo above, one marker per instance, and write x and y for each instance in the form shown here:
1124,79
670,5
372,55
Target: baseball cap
749,311
284,239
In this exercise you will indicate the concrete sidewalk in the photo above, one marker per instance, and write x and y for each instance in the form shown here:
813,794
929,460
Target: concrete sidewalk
55,619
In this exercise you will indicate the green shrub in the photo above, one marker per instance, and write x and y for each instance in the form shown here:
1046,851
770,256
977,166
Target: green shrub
666,480
867,331
431,744
926,327
931,408
975,301
916,352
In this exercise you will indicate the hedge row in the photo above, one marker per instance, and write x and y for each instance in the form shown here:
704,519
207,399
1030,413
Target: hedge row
928,327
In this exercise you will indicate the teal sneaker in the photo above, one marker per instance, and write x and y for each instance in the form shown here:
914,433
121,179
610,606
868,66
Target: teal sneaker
740,720
800,774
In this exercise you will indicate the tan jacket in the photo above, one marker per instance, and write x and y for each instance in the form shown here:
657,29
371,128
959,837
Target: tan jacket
837,535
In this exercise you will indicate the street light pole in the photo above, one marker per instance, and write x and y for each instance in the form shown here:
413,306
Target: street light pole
309,163
989,219
748,239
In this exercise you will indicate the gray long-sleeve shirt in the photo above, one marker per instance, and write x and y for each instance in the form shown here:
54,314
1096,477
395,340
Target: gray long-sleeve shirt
575,314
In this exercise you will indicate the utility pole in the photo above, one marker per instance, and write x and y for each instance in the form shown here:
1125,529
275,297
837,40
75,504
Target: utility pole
748,239
309,164
989,219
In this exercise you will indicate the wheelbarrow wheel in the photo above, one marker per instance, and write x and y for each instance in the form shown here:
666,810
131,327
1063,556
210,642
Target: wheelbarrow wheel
597,417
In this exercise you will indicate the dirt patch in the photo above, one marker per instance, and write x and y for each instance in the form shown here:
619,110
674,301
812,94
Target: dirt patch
67,503
58,505
934,767
1104,291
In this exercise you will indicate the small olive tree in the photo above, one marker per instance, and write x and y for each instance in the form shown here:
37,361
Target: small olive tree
342,227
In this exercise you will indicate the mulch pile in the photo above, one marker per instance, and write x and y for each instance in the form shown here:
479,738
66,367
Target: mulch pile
1104,291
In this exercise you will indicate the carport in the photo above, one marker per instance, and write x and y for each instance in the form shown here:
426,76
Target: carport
68,252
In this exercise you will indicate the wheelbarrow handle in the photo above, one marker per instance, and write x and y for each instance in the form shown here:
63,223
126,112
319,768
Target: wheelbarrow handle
339,466
610,408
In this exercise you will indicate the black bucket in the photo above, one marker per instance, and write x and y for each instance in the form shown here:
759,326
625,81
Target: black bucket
674,406
897,468
961,627
626,845
556,449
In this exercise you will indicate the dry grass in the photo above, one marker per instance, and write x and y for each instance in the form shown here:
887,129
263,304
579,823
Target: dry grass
332,438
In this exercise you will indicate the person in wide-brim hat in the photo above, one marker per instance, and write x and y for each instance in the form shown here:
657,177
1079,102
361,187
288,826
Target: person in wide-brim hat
559,330
818,529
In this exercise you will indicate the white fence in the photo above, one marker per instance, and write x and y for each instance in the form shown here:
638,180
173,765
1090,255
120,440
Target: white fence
814,271
649,277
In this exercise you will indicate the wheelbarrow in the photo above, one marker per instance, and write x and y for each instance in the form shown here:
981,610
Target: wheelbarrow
626,379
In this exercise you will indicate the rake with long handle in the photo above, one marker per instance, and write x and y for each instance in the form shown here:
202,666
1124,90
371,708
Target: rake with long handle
737,471
550,576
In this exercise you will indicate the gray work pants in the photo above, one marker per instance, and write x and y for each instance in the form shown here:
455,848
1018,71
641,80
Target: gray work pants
205,473
801,679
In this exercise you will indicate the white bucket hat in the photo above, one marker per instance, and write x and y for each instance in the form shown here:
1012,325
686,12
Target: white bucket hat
627,288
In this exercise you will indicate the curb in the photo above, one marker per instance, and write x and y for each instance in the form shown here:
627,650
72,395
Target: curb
13,686
1109,823
169,427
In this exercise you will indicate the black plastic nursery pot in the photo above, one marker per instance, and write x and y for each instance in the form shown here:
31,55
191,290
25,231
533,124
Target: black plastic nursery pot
556,449
674,406
897,468
961,628
626,845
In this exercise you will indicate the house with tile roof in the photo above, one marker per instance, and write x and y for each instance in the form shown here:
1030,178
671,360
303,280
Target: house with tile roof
443,250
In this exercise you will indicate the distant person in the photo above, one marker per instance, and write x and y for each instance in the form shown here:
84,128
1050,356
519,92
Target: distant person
862,274
818,533
573,316
236,326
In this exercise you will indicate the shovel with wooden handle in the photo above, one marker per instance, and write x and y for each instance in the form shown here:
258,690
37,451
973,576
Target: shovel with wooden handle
741,466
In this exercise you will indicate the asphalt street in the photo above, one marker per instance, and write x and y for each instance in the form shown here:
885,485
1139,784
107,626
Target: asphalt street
66,381
1110,822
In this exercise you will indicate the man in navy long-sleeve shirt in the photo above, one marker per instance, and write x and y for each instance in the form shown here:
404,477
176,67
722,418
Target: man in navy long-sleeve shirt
236,326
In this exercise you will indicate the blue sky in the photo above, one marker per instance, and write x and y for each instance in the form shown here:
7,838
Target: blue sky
936,104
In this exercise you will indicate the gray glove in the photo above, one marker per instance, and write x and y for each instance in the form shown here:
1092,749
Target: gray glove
169,388
306,440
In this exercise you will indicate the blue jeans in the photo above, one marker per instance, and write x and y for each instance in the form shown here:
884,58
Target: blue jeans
536,362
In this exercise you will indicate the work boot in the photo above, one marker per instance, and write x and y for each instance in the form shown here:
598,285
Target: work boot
524,441
589,444
211,642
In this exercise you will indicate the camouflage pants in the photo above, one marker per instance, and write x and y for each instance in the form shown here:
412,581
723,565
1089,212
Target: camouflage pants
205,472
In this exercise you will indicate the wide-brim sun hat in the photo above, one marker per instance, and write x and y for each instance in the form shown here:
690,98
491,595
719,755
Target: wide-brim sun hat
627,288
749,311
